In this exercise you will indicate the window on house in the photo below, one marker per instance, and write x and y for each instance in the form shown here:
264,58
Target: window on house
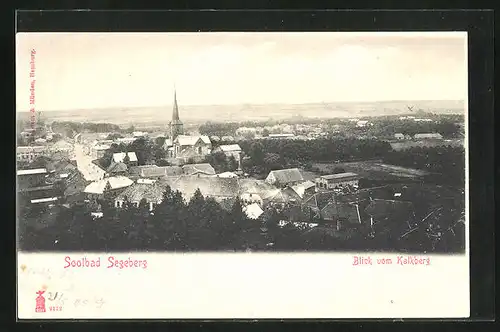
199,150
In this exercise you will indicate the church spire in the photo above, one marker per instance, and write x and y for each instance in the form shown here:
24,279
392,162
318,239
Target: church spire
175,113
176,126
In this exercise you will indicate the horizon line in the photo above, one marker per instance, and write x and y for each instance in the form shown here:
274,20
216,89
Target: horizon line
253,104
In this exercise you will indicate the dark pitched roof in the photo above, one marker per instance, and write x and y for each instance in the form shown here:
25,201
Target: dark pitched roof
204,168
396,210
298,214
320,200
117,167
336,211
209,186
155,171
151,192
285,176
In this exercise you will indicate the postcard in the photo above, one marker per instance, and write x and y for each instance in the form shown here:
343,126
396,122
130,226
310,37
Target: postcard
242,175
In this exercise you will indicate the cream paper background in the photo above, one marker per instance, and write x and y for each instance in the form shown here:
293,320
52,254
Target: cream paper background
210,286
249,285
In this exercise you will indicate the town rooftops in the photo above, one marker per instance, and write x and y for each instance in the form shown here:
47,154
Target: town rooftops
285,176
101,147
44,200
151,192
168,143
126,139
302,187
428,135
116,182
227,175
192,140
230,148
382,208
120,156
31,171
62,145
339,176
253,211
192,169
117,167
156,171
209,186
26,149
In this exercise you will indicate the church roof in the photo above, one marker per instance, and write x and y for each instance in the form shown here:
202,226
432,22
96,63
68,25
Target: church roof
191,140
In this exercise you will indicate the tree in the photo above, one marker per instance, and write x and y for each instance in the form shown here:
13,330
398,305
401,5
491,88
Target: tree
338,170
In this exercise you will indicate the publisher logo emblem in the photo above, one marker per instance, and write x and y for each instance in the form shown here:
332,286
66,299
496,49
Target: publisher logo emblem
40,302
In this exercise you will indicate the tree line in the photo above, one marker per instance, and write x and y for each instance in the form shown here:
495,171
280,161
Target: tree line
201,224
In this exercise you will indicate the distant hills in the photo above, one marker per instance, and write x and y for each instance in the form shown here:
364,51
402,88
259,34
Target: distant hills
249,112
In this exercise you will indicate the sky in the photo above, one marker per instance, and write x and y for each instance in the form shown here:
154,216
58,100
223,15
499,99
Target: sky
102,70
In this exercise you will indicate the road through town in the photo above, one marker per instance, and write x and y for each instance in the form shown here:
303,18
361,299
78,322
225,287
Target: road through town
90,171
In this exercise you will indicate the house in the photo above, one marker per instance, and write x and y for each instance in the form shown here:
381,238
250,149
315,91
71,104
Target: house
319,201
29,153
399,136
97,151
75,185
138,134
337,181
284,177
152,192
253,211
362,123
120,157
198,169
40,141
343,215
280,198
281,136
156,171
258,187
29,178
428,136
215,138
61,165
44,201
304,189
217,188
394,216
185,146
231,150
126,140
167,144
249,198
117,168
227,175
63,147
112,185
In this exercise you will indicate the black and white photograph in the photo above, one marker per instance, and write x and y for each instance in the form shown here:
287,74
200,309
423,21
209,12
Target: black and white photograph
242,142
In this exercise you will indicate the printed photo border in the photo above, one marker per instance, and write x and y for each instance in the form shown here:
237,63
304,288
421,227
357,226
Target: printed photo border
480,84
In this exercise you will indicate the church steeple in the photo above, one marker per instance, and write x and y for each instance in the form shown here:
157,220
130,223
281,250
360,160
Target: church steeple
175,113
176,126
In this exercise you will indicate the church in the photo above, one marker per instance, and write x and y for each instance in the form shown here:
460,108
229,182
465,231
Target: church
184,148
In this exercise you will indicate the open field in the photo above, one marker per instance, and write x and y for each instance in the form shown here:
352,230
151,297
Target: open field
373,170
398,146
161,115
